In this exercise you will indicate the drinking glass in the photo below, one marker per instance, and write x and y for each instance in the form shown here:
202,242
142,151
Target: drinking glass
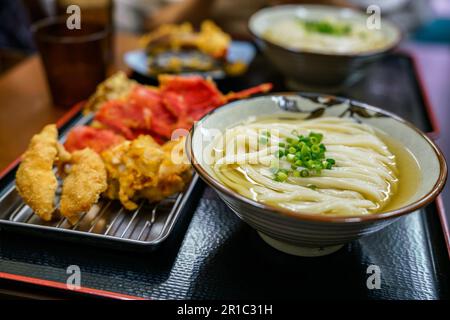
75,60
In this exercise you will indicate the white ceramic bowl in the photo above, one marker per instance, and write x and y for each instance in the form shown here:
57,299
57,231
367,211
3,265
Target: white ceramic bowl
303,233
317,69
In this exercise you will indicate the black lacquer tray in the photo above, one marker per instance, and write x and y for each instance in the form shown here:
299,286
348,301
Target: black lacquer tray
211,254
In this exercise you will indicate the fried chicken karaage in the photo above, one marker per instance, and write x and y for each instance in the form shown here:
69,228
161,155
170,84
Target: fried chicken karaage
35,179
83,185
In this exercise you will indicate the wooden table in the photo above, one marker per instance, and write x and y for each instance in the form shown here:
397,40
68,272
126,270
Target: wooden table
25,103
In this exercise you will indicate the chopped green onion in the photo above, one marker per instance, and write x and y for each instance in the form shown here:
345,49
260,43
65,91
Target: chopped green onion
304,173
280,153
310,164
306,155
281,176
300,145
317,136
327,27
315,148
305,150
305,140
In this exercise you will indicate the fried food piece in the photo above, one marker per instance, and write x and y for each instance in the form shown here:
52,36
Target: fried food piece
132,166
62,158
174,173
63,155
83,185
210,39
35,180
144,169
115,87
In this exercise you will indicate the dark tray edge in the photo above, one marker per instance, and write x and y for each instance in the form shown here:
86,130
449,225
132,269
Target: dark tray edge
62,286
436,130
434,135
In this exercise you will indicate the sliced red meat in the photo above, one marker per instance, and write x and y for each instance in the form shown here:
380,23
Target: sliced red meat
129,118
265,87
177,103
163,122
183,95
189,98
87,137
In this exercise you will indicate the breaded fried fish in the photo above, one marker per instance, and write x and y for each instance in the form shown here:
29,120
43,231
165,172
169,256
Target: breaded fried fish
35,180
83,185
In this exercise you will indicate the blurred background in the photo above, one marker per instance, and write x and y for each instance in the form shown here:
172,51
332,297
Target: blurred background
421,20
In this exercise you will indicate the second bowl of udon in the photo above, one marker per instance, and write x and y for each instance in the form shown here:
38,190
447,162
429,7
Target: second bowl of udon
312,172
318,46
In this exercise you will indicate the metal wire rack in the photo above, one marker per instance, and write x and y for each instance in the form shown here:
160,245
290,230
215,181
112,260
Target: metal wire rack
147,225
106,223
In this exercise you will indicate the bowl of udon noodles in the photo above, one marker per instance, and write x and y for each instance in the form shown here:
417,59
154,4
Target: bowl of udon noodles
312,172
321,47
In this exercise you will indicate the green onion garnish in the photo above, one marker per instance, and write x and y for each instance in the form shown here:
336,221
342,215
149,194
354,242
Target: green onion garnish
304,173
327,27
315,148
281,176
290,157
306,155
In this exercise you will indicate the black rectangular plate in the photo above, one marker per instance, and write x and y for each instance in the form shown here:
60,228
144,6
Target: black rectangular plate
220,257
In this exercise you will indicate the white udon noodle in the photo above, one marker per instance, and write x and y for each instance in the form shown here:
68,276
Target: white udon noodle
290,33
361,182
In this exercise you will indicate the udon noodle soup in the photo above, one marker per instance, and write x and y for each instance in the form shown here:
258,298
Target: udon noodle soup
330,165
328,35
